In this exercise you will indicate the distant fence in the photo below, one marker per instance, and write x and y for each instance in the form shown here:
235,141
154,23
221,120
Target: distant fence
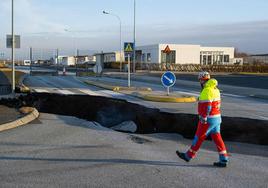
198,67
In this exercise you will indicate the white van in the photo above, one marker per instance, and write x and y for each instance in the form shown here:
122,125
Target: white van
26,62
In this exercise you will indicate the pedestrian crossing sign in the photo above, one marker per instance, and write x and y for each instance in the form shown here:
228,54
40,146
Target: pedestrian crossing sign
128,47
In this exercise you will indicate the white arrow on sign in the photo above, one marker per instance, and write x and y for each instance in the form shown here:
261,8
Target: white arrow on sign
170,80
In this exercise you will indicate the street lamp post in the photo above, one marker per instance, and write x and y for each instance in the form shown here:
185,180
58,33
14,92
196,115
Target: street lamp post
13,46
104,12
134,39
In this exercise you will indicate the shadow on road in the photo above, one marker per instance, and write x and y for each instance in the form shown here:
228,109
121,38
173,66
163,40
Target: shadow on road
106,161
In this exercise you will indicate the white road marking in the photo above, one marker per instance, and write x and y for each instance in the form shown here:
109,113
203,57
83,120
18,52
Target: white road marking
65,92
232,95
41,91
112,93
187,93
89,92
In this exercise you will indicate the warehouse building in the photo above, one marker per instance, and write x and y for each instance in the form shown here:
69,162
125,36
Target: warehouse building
177,54
184,54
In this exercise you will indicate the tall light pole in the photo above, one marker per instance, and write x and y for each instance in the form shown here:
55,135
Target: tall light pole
134,40
108,13
13,46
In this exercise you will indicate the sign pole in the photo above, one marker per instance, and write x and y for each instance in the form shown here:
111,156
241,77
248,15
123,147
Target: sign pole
167,91
128,57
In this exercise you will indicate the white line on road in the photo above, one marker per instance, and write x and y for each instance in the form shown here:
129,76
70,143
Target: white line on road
187,93
112,93
89,92
40,91
232,95
65,92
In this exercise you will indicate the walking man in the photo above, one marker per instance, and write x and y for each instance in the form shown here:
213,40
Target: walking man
209,120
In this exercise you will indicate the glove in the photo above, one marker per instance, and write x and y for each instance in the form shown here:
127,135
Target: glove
203,120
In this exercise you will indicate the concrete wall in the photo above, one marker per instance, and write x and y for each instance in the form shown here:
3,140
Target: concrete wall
153,50
113,57
185,54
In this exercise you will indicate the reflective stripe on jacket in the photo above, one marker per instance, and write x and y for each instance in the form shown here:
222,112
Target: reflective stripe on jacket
210,100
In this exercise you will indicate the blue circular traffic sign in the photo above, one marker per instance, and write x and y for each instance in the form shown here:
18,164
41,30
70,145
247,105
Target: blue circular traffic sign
168,79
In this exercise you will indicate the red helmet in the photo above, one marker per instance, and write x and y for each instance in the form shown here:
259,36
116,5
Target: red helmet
204,76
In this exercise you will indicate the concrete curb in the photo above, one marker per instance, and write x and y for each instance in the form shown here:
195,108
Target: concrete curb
21,121
147,97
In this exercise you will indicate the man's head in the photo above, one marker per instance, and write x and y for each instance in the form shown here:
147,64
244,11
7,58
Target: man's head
203,77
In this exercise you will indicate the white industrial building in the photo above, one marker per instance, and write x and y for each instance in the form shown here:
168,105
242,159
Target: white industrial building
72,60
262,58
179,54
185,54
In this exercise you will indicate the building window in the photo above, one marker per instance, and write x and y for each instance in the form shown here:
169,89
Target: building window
221,58
148,57
226,58
143,58
168,58
204,60
163,57
209,59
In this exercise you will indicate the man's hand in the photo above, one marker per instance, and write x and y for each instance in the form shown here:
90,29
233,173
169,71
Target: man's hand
203,120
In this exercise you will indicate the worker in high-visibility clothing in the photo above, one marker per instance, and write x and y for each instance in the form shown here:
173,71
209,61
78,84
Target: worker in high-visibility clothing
209,120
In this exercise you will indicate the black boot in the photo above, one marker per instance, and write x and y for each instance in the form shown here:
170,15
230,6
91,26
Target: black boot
220,164
182,156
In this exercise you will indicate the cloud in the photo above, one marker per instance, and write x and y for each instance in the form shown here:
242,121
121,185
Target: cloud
248,36
28,17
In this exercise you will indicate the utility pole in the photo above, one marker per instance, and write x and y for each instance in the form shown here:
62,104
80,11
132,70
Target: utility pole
134,40
76,58
13,46
31,59
57,58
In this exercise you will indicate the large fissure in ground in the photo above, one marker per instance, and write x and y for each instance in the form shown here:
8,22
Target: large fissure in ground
110,112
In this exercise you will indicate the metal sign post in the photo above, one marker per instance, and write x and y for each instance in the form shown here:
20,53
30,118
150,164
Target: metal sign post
128,57
128,49
168,80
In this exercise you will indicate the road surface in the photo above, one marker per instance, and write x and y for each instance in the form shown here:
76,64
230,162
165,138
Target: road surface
232,106
60,151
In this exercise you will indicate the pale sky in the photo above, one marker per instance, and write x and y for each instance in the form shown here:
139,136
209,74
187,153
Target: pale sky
43,23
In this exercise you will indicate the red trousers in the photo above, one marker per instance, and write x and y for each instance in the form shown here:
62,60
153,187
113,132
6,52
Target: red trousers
203,130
